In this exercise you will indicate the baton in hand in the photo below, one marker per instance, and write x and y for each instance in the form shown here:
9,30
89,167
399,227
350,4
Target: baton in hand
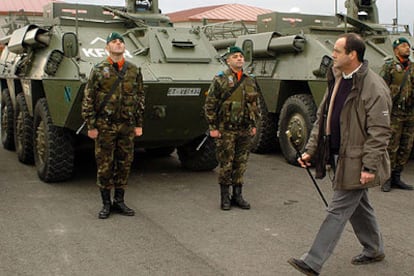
80,128
295,145
207,134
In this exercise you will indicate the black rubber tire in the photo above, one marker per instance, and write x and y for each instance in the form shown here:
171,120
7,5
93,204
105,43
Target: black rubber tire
265,139
52,146
23,134
297,115
202,160
7,118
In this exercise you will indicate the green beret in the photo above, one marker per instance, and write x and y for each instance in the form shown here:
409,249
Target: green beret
234,49
113,36
400,41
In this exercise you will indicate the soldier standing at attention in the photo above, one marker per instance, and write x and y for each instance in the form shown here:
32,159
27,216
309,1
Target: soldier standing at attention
231,110
112,108
398,73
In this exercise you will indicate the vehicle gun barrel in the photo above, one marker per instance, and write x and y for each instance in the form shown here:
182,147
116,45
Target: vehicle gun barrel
125,15
271,43
223,43
285,44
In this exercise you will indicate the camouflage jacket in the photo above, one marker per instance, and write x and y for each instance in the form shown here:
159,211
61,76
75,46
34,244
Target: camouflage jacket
240,110
393,73
126,103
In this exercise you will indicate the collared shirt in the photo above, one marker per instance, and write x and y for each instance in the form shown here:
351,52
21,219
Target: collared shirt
117,65
349,76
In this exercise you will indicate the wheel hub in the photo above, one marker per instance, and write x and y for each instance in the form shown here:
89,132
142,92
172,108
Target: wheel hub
296,126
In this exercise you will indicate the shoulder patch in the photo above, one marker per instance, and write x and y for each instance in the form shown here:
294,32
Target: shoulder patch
100,64
220,74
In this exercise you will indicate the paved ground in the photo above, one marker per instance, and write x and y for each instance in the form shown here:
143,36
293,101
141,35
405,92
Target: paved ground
53,229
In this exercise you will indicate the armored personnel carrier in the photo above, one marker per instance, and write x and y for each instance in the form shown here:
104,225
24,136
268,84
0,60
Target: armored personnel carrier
44,69
290,53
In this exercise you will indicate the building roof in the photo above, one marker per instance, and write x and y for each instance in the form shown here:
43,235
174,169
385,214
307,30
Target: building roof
226,12
32,6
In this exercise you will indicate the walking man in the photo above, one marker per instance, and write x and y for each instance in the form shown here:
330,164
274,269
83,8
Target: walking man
354,117
112,108
398,73
231,110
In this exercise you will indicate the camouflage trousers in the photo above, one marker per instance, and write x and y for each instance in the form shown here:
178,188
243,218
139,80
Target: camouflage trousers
114,153
401,142
233,148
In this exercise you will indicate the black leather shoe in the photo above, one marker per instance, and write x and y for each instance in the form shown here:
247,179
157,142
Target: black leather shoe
361,259
302,267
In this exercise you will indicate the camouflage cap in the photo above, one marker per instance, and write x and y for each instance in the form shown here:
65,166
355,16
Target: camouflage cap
399,41
113,36
234,49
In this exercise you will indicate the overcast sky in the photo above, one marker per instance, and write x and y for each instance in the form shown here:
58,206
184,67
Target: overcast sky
387,8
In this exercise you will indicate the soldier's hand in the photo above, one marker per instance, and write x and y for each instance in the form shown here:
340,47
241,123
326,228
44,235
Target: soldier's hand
253,131
93,133
215,134
304,160
138,131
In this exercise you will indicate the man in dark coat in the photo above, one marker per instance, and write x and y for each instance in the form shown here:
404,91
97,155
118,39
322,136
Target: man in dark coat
354,117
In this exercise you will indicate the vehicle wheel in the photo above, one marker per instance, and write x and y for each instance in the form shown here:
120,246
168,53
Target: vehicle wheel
202,160
52,146
160,152
7,124
23,135
265,139
297,115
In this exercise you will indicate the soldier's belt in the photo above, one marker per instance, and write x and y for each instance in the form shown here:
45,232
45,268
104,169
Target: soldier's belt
236,126
110,120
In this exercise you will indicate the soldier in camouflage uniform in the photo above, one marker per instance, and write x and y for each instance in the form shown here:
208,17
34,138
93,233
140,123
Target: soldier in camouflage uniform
231,110
398,73
115,126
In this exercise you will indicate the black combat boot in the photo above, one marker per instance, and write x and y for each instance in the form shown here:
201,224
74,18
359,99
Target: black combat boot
106,200
386,187
119,205
397,182
225,197
237,198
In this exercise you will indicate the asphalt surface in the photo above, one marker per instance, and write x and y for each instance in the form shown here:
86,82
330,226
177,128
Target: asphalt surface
178,229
